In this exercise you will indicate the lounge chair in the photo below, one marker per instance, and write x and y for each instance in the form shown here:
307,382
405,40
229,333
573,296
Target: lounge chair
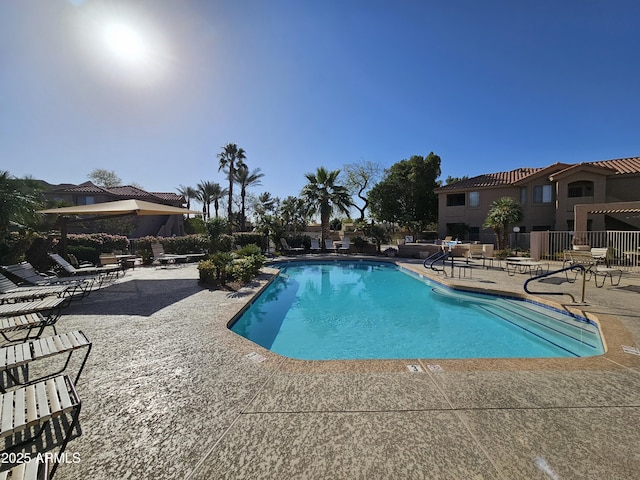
10,292
476,251
16,359
288,249
315,245
38,418
169,258
29,275
72,271
49,307
330,245
29,322
345,245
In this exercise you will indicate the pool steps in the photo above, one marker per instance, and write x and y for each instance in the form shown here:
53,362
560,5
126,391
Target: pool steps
581,338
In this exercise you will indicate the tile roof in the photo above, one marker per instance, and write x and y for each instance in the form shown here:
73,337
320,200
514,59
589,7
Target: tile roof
488,180
123,191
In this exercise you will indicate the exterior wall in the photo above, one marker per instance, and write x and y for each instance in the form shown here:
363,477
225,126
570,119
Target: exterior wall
564,215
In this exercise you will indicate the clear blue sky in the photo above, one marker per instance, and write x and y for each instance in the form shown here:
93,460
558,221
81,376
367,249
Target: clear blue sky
487,85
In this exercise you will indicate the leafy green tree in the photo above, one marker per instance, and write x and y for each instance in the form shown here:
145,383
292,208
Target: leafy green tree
359,178
20,198
451,179
323,195
105,178
405,195
245,179
503,212
230,159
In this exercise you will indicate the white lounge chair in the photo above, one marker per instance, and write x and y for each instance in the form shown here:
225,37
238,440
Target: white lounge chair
315,245
345,245
329,245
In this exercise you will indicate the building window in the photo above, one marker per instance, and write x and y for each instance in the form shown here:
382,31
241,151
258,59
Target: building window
474,234
455,200
580,189
474,199
523,195
85,200
542,194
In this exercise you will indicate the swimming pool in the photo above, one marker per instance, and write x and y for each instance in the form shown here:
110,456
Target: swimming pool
339,310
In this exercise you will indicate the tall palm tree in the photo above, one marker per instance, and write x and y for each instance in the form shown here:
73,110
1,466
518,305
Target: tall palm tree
209,192
231,158
189,193
217,194
323,196
246,179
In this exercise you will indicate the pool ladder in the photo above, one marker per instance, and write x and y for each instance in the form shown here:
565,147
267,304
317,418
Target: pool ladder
566,269
436,257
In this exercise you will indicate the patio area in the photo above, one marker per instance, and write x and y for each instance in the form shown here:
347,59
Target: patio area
169,392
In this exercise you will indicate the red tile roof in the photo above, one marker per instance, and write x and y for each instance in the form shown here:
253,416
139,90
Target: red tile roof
124,191
488,180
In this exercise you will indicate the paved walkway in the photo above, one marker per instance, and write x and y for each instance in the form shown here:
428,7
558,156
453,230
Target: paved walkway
169,392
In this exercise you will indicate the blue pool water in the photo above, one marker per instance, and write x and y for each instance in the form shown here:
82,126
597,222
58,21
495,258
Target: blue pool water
375,310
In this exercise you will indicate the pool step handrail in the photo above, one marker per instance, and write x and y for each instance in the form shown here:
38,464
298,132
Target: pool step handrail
435,258
566,269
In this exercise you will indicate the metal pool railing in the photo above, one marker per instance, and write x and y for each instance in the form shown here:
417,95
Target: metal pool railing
623,247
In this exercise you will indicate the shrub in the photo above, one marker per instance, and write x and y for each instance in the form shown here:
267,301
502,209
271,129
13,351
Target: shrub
217,268
84,254
251,249
100,242
246,268
243,239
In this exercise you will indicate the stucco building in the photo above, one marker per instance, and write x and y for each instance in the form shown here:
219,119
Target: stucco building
547,195
88,193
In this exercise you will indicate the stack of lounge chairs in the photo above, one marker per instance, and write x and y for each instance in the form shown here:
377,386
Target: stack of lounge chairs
39,404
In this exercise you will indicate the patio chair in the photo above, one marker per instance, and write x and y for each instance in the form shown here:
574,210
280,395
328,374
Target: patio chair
345,245
10,292
92,270
49,308
329,245
289,249
315,245
604,272
163,258
30,322
476,251
16,359
38,418
25,272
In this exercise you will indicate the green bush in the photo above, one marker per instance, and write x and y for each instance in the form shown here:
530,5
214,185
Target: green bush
217,268
246,268
243,239
101,242
251,249
84,254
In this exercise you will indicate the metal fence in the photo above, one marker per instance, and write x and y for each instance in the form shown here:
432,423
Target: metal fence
623,247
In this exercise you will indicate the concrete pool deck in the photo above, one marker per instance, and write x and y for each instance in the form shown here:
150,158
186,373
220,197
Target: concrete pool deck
168,392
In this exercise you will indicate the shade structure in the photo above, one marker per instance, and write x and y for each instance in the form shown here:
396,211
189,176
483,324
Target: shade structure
121,207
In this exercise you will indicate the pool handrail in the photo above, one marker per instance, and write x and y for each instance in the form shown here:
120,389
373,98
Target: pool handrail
542,275
433,258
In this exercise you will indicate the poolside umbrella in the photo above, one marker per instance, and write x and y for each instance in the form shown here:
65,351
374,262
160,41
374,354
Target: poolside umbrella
112,209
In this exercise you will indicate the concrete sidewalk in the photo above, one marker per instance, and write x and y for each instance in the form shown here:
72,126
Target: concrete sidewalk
169,392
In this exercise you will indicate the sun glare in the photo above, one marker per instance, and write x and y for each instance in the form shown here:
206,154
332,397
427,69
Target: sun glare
123,44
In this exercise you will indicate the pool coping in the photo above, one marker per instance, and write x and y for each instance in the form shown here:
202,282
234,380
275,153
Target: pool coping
613,334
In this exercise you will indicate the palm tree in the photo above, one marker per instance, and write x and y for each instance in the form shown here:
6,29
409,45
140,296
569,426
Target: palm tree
323,195
503,212
210,192
217,194
231,158
189,193
245,179
19,198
